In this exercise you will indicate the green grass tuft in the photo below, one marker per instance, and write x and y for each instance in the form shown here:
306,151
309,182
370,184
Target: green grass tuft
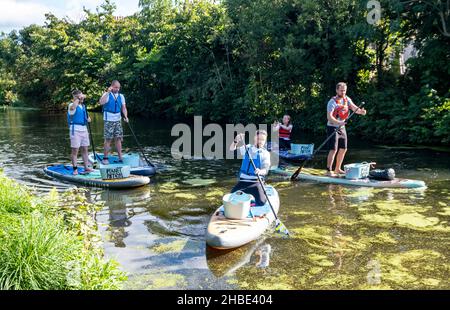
14,198
51,243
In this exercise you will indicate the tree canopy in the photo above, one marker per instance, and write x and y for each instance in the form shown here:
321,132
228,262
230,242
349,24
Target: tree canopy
246,60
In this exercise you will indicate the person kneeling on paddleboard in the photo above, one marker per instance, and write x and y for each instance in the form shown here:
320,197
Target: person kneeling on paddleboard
248,180
337,114
79,137
284,131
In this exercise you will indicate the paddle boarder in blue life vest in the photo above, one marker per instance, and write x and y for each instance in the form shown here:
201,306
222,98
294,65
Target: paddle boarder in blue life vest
337,113
78,119
284,132
114,106
248,180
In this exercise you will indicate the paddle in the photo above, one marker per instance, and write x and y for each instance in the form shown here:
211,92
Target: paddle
94,164
139,145
279,227
297,172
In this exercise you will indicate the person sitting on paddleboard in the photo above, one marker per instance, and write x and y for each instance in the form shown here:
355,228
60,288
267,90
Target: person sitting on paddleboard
114,106
337,113
248,181
77,118
284,132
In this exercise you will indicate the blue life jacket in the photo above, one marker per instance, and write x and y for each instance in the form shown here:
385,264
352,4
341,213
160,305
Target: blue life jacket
247,167
114,105
79,118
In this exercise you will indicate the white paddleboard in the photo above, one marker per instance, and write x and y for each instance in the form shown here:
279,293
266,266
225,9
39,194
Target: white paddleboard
224,233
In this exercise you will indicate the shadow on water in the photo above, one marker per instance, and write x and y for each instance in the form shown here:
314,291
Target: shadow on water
343,237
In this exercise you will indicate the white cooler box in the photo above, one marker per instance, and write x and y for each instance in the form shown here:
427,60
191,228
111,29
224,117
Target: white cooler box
132,159
112,172
357,171
302,149
237,205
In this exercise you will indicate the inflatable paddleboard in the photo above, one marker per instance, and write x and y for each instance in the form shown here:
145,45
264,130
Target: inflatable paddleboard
318,175
94,178
142,168
224,233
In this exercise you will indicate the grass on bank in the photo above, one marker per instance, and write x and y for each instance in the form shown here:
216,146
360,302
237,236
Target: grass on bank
51,243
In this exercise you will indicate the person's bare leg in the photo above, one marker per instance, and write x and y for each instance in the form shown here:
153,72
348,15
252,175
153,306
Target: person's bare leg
74,157
85,155
339,160
118,143
106,148
330,159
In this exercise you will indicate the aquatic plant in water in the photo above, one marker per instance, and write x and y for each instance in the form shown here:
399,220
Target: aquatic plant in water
173,247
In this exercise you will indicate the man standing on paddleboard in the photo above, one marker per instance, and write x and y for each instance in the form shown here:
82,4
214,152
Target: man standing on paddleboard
337,114
114,106
77,118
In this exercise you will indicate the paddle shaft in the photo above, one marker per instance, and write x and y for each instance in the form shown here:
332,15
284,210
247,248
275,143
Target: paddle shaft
139,145
294,176
260,181
90,135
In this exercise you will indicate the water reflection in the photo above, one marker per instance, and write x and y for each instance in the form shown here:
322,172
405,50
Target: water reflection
122,206
343,237
226,262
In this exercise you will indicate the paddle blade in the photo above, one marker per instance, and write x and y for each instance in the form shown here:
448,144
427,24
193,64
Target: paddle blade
281,229
296,173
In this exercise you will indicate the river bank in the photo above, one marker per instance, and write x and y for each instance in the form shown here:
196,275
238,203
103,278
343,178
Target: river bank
51,242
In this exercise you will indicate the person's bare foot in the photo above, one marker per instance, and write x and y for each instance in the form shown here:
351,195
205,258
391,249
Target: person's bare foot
340,171
105,161
88,170
331,174
75,172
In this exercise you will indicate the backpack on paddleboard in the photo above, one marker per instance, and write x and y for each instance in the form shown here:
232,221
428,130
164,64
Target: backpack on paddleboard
382,174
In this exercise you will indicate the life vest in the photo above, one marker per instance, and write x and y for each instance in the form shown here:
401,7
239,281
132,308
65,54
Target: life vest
284,133
114,105
341,112
247,167
79,118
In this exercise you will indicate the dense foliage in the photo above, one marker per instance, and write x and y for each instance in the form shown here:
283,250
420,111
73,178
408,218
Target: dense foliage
51,243
246,60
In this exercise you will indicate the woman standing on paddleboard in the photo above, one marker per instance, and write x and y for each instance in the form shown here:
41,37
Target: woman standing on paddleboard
78,119
337,114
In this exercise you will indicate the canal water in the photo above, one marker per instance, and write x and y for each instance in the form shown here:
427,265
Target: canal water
343,237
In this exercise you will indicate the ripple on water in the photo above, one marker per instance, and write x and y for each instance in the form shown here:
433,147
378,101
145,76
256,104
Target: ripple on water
343,237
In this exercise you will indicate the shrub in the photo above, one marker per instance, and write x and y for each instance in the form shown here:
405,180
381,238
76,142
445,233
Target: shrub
51,242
